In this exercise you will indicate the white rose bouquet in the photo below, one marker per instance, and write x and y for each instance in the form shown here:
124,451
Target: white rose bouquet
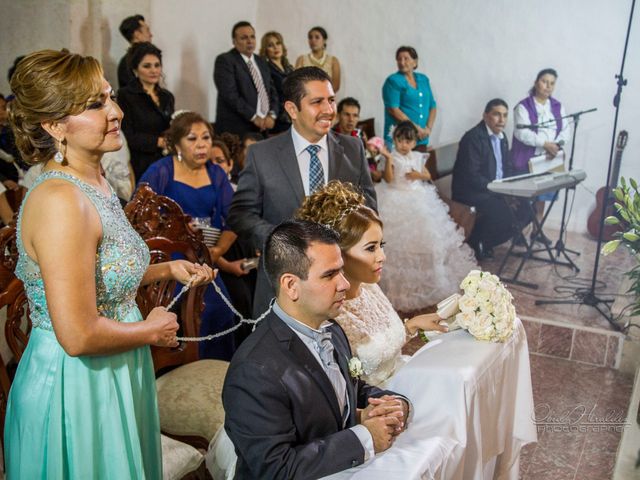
486,307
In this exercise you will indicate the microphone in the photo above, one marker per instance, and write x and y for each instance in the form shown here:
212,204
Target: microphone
523,125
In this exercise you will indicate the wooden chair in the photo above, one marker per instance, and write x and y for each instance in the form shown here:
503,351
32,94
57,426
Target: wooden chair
153,215
15,197
368,126
8,254
190,395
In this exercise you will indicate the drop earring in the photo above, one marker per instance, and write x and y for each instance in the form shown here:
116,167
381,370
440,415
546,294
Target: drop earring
59,157
179,156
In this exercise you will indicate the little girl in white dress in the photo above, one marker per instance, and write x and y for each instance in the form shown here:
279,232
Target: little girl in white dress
426,254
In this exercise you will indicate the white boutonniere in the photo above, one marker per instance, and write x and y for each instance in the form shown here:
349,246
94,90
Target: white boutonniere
355,367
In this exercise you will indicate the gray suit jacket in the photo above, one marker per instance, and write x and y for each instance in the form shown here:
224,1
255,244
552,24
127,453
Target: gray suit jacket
270,190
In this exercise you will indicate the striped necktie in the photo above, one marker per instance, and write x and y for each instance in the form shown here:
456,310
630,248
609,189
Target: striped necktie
316,172
263,98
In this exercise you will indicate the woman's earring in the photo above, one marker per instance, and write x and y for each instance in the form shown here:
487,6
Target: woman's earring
179,156
59,157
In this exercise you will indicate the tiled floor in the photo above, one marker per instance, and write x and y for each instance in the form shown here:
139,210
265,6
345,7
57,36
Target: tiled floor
587,404
560,282
582,393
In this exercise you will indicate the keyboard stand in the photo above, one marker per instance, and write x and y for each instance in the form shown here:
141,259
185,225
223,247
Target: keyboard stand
530,252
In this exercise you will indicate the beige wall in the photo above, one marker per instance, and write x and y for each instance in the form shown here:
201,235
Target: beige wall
472,51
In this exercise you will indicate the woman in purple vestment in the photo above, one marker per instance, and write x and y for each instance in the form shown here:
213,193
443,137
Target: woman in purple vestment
548,139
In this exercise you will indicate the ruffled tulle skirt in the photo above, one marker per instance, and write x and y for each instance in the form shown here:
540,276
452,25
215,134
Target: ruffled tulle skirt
82,417
426,254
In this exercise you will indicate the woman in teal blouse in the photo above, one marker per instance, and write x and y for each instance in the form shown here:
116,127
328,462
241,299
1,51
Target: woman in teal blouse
407,95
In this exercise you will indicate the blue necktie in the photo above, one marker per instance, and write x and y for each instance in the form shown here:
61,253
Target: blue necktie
497,152
316,173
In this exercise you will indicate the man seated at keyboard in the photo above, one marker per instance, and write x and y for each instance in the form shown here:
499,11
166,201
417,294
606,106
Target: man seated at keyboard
483,156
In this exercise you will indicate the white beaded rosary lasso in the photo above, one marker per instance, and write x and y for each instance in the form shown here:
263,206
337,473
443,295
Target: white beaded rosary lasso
213,336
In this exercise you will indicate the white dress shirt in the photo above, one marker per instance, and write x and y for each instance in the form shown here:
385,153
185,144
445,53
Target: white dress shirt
304,158
544,134
246,59
360,431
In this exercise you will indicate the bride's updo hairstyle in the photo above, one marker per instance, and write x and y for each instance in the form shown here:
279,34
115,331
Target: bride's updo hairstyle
340,206
50,85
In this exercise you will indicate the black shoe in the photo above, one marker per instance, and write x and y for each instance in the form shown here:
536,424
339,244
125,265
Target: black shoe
541,238
482,252
520,241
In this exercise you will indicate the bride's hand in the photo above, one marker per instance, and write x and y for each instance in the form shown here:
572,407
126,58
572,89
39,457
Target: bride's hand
427,322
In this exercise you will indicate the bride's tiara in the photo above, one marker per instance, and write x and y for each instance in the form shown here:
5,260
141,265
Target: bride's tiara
336,221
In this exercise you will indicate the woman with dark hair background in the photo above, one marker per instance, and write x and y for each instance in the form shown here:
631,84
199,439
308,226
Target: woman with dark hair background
147,107
407,95
318,57
274,51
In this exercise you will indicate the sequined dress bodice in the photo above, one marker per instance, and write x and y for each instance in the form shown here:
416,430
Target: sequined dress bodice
121,259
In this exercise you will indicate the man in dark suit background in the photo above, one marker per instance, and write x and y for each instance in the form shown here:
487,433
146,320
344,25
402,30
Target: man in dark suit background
483,156
247,98
281,171
135,30
291,405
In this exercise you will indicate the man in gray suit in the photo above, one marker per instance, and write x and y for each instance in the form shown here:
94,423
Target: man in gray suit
281,171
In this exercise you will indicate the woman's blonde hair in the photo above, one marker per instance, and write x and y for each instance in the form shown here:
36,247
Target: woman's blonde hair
341,207
50,85
265,41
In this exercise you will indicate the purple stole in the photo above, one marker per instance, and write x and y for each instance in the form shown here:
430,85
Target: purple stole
521,153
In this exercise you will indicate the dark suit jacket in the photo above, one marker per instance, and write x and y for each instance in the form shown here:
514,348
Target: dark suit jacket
237,95
281,411
125,75
143,123
270,190
475,166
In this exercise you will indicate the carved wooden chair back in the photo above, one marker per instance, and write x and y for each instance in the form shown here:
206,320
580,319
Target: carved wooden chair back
8,254
18,326
161,293
154,215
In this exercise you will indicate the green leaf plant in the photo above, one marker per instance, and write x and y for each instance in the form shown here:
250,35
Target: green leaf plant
627,217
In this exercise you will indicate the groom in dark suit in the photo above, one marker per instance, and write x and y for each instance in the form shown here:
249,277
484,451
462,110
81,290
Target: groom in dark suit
281,171
247,98
292,408
483,156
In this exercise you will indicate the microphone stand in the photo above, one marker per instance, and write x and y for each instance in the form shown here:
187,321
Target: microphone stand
560,246
589,297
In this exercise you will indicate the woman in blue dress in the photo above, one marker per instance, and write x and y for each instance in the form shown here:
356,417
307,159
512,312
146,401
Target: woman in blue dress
204,192
407,95
83,401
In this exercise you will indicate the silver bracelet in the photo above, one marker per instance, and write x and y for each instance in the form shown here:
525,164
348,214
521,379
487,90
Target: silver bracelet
406,330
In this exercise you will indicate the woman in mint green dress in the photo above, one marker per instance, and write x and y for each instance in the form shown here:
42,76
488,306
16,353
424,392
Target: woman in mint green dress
83,401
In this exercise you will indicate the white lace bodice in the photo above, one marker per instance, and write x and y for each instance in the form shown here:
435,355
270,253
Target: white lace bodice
375,332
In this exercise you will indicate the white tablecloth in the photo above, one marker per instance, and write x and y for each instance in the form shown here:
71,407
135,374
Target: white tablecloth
473,411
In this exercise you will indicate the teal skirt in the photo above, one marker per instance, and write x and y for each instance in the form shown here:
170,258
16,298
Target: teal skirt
82,417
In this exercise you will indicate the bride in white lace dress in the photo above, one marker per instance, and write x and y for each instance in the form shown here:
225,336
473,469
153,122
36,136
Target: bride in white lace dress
425,247
373,327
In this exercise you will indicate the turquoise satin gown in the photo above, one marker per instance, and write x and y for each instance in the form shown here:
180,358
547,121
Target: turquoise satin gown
93,417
